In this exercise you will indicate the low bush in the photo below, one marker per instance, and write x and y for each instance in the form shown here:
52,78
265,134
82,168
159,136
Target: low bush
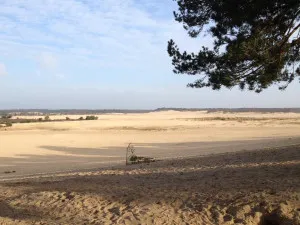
133,158
8,124
6,116
91,117
26,121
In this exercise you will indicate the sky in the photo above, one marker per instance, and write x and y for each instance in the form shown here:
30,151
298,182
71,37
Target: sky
97,54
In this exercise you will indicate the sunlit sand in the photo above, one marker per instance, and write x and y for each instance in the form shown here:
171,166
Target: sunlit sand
212,168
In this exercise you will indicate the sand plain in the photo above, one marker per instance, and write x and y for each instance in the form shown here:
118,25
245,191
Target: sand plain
238,170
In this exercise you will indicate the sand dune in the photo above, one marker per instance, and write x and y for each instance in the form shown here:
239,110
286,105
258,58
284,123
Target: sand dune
251,187
211,170
87,144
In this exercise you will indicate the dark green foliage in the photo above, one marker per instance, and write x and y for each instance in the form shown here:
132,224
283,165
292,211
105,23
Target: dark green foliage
6,116
35,120
91,118
133,158
81,118
8,124
26,121
256,43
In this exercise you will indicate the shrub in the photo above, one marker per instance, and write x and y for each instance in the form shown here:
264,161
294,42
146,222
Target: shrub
25,121
91,118
47,118
8,124
6,116
40,119
133,158
81,118
67,118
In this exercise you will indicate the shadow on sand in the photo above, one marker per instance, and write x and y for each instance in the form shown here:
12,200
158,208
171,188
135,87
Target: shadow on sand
211,186
65,158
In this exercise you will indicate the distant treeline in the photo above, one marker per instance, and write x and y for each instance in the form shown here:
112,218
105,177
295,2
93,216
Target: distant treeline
233,110
7,120
40,112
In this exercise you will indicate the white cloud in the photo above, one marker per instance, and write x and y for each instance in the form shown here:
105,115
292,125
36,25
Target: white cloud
60,75
48,61
49,65
122,33
3,70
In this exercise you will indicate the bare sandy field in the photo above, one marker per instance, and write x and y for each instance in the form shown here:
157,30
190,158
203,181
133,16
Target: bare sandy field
69,145
214,168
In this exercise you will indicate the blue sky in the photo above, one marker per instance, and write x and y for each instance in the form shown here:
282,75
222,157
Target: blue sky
104,54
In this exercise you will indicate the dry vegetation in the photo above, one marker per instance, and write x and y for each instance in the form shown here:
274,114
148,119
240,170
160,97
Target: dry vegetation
239,119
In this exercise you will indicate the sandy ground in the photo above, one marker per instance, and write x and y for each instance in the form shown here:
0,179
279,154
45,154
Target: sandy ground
259,187
235,174
60,146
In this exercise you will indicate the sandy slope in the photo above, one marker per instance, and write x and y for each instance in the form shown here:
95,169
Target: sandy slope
249,187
